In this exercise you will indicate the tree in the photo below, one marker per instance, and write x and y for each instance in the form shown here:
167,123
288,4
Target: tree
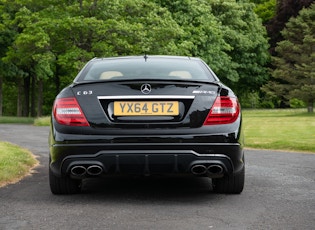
285,10
202,35
56,38
44,43
228,35
30,53
294,75
243,32
266,9
7,70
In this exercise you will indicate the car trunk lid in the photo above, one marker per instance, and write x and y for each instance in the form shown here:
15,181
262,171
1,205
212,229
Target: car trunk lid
145,104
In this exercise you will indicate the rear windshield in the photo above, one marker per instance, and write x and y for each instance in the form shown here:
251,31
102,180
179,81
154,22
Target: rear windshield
151,68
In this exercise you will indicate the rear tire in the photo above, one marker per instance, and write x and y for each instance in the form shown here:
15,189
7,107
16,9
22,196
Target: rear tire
231,184
63,185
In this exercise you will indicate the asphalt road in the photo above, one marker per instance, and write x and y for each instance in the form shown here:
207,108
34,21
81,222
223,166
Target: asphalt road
279,194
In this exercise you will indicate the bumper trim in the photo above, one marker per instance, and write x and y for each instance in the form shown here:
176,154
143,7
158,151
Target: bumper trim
145,152
146,162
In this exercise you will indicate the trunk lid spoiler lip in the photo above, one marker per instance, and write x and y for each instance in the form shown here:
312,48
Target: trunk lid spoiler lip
217,83
121,97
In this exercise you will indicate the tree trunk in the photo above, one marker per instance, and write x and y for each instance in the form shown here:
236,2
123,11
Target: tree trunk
26,104
1,96
81,5
40,98
19,102
57,80
310,107
33,96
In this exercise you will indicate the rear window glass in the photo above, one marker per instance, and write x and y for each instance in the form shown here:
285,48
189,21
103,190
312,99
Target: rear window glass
151,68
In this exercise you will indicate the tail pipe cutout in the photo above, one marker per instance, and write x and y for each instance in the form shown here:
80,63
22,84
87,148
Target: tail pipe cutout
86,170
211,170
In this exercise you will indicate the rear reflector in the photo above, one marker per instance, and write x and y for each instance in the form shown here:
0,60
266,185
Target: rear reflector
68,112
225,110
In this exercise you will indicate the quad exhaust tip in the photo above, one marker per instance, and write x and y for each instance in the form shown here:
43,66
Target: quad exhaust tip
80,170
200,169
94,170
215,169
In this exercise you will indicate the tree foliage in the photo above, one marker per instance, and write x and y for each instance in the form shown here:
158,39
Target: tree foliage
44,43
228,35
243,32
294,76
266,9
285,9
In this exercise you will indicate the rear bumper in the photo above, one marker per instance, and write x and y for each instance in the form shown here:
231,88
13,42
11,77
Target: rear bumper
145,158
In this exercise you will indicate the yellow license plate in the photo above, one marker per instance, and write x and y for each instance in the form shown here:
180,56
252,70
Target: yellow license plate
146,108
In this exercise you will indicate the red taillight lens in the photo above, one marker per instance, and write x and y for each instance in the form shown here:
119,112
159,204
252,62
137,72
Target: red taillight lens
68,112
225,110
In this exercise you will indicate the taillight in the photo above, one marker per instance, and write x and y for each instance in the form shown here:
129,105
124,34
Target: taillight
68,112
225,110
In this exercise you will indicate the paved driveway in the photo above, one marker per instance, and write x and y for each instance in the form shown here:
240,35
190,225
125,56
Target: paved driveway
279,194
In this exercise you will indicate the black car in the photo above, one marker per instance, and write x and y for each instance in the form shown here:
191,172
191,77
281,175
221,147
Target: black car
146,115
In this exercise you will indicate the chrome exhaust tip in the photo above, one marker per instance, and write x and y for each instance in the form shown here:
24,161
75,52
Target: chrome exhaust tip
198,169
94,170
215,169
78,170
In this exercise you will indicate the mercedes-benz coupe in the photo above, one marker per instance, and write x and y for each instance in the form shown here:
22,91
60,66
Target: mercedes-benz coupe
146,115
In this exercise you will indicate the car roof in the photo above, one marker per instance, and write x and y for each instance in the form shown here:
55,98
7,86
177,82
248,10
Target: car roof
147,57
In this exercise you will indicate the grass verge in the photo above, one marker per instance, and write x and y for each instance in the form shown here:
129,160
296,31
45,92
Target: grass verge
15,163
16,120
292,130
42,121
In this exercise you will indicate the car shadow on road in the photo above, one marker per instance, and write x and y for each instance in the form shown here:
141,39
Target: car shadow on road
149,189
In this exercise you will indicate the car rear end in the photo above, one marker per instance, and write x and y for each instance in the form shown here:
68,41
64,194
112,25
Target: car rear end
146,116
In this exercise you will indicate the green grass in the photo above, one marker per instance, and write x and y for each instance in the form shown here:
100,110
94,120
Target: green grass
16,120
42,121
15,163
292,130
